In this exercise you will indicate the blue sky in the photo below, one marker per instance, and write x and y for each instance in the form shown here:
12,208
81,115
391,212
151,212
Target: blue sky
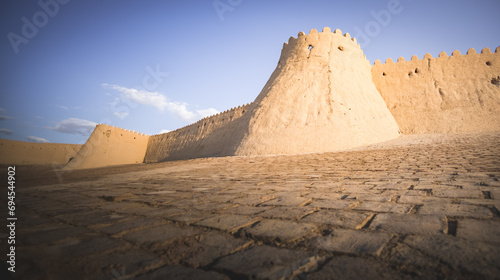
157,65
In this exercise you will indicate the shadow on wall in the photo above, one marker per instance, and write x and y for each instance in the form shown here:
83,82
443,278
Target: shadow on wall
20,152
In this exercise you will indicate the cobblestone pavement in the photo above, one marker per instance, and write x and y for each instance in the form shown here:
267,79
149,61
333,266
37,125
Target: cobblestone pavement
420,207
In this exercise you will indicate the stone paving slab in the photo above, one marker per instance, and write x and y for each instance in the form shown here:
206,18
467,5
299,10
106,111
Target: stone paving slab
202,249
350,268
476,257
419,207
227,222
353,242
156,237
265,262
341,218
279,231
181,272
410,224
456,210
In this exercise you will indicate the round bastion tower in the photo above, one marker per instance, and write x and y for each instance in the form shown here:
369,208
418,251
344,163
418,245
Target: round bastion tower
320,98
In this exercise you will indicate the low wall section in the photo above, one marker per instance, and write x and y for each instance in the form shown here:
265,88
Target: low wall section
457,93
187,142
20,152
109,145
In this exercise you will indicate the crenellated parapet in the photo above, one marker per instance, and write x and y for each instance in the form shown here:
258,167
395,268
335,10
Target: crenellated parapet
448,93
215,120
110,145
123,131
323,45
315,37
442,55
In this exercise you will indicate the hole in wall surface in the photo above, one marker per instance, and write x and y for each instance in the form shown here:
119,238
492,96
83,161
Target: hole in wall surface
488,63
341,48
452,227
416,70
496,81
310,47
384,74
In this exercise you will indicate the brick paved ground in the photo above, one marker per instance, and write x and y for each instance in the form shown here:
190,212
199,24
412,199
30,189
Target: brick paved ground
420,207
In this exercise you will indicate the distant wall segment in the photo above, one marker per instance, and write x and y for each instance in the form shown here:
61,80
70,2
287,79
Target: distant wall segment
109,145
25,153
323,96
195,140
457,93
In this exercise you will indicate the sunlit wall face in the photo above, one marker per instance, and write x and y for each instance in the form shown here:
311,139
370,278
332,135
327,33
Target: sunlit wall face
157,66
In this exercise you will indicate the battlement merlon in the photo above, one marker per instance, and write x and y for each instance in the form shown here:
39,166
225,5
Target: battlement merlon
471,52
319,45
122,131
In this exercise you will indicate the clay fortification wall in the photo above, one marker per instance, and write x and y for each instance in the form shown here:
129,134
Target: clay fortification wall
319,98
176,144
457,93
323,96
20,152
109,145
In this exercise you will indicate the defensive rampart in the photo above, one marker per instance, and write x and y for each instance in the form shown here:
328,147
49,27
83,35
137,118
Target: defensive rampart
323,96
319,98
185,142
20,152
457,93
109,145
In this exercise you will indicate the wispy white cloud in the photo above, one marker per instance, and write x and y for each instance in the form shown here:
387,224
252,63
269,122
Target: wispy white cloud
164,131
6,131
75,126
207,112
3,118
62,107
37,139
121,115
161,103
154,99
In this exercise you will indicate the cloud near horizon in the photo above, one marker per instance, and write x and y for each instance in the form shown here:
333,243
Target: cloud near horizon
37,139
6,131
3,118
161,103
75,126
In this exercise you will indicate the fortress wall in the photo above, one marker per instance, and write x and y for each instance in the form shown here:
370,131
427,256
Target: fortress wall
457,93
20,152
109,145
176,144
320,98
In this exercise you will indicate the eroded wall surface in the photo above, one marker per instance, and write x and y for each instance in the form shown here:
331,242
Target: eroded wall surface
109,145
20,152
195,140
457,93
319,98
